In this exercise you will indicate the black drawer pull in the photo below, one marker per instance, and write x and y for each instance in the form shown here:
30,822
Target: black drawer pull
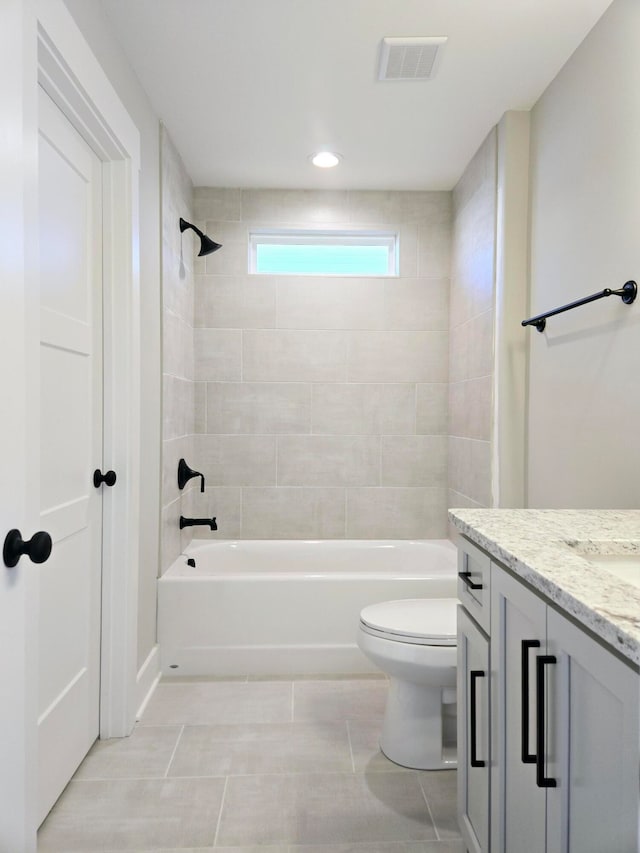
542,781
527,757
474,675
465,577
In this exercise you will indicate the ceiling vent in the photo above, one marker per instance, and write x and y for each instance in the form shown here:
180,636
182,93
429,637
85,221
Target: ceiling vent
410,58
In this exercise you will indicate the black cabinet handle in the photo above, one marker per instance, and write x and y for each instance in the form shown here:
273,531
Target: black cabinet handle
109,479
527,757
474,675
465,577
542,781
38,548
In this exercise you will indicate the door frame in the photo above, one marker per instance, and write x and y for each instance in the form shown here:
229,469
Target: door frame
70,74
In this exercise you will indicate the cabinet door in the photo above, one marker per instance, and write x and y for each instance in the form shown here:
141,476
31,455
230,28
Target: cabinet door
518,633
473,734
593,745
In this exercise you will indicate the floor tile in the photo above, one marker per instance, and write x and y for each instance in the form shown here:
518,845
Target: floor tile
364,737
216,703
133,815
382,847
324,809
440,789
339,700
145,754
319,676
263,749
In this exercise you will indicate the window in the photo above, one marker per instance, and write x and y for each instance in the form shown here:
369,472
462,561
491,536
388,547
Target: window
367,253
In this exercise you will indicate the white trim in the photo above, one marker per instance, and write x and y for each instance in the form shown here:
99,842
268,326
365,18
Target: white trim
71,75
332,237
147,680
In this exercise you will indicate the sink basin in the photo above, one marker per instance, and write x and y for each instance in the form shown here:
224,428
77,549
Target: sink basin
620,559
626,567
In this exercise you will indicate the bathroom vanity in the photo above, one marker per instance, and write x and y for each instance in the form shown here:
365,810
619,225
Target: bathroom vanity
548,686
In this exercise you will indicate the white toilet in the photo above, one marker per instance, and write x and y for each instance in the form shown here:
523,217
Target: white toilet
414,642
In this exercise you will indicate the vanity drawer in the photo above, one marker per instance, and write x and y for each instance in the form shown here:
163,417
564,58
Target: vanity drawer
474,574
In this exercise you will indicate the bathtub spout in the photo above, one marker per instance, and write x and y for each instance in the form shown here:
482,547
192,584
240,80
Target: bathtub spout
195,522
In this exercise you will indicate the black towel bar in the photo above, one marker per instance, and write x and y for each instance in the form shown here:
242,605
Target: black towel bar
627,293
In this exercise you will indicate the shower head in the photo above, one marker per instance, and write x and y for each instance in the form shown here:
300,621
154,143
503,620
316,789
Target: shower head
207,245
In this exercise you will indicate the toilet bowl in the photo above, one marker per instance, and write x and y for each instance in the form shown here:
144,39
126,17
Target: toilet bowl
414,642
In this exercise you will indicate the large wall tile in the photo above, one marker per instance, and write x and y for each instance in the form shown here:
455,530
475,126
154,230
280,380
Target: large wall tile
231,259
294,207
396,513
236,460
294,356
258,407
363,409
218,354
434,250
177,407
293,513
219,204
316,302
235,302
432,402
318,460
413,460
398,356
416,304
368,207
225,505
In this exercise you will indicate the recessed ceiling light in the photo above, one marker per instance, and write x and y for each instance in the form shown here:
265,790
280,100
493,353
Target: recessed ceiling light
325,159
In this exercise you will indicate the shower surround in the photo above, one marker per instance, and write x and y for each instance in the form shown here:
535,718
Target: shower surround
320,401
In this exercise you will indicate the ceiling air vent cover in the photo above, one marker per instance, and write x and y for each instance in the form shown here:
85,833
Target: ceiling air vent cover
410,58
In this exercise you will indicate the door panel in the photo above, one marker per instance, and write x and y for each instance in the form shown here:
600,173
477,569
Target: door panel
70,228
593,718
518,805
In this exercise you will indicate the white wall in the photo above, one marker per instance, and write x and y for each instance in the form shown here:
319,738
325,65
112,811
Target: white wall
91,20
584,396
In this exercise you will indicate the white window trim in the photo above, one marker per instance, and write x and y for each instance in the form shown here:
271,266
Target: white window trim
301,236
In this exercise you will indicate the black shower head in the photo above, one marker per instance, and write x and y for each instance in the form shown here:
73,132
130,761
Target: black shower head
207,245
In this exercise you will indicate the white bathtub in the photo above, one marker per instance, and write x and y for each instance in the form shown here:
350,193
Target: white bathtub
271,607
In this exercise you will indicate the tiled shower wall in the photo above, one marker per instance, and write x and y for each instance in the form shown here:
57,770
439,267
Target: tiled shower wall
321,402
471,330
177,348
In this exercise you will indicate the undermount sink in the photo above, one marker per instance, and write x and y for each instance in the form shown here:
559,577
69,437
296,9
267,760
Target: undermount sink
621,561
626,567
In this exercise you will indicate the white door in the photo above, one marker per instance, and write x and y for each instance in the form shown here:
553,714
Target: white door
70,250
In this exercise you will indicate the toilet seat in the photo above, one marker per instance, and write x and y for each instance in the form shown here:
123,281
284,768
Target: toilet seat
419,621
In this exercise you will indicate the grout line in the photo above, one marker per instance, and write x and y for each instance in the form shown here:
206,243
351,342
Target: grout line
166,772
353,763
435,826
224,793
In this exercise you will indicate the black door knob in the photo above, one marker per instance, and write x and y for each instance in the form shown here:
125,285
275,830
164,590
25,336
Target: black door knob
38,548
109,479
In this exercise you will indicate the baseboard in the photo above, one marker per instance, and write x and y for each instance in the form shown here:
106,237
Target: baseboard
147,679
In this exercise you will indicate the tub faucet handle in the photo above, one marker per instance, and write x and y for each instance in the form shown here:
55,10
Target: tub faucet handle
185,473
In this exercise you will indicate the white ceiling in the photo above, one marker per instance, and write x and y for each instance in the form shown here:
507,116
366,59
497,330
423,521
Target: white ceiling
249,88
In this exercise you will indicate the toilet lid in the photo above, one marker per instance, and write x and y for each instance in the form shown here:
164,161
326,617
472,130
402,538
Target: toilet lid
431,621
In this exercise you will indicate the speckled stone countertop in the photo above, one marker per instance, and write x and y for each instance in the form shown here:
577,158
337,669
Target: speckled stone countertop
550,550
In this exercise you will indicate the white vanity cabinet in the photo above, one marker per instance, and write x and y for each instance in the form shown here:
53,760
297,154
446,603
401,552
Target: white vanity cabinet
474,697
474,765
565,732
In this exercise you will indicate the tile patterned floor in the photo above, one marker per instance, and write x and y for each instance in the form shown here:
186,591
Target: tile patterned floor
254,766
